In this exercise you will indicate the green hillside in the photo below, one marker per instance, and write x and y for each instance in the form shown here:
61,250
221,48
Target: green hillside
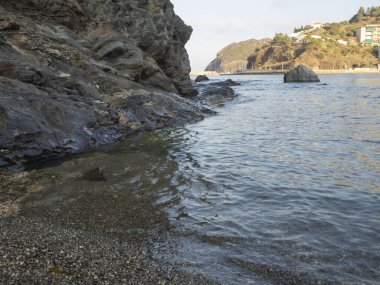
315,53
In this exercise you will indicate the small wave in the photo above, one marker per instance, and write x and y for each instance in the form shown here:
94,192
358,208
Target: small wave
275,274
372,141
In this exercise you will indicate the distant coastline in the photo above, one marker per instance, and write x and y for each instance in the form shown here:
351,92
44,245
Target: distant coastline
330,46
349,71
276,72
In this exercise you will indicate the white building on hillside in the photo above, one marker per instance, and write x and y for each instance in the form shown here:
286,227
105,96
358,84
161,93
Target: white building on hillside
369,34
342,42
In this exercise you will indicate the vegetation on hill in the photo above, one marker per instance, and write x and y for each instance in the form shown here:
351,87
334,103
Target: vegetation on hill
329,46
315,53
367,16
302,28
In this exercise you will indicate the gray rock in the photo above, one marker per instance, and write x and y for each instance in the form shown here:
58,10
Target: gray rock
201,78
301,74
227,82
112,49
216,93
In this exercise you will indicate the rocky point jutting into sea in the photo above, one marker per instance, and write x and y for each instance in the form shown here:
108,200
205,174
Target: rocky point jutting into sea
78,74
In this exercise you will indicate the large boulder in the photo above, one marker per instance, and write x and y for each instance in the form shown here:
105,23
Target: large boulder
301,74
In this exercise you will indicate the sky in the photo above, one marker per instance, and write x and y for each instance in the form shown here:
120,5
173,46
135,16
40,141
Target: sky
218,23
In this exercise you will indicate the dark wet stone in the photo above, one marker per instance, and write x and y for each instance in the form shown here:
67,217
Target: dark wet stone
232,83
216,93
96,174
227,82
201,78
8,25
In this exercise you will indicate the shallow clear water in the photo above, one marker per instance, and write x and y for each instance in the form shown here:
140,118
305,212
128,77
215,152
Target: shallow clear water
287,178
281,187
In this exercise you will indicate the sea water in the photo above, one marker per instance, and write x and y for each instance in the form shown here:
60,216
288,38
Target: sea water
282,186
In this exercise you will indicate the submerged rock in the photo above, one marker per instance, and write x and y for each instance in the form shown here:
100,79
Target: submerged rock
71,71
216,93
96,174
228,82
301,74
6,24
201,78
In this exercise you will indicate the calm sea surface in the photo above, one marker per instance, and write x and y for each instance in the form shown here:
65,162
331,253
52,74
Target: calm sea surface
281,187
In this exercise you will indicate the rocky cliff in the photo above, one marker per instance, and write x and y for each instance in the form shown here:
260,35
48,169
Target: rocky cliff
235,56
75,74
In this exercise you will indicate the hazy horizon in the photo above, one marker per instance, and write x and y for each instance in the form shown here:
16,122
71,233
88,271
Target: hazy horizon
217,23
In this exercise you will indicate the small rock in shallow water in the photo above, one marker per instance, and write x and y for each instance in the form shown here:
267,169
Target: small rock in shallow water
230,82
201,78
7,25
96,174
216,93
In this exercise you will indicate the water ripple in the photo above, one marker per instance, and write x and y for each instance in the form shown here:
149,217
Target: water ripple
287,181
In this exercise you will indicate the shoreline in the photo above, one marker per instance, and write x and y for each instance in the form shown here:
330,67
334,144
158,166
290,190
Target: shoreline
88,236
94,232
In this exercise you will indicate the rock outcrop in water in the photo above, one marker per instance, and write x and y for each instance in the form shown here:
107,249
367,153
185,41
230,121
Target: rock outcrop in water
201,78
216,93
301,74
78,73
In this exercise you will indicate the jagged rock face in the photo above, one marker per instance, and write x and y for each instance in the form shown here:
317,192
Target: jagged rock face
143,39
63,63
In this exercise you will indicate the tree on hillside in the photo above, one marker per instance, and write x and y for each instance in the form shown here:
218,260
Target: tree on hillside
361,11
302,28
374,12
282,39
